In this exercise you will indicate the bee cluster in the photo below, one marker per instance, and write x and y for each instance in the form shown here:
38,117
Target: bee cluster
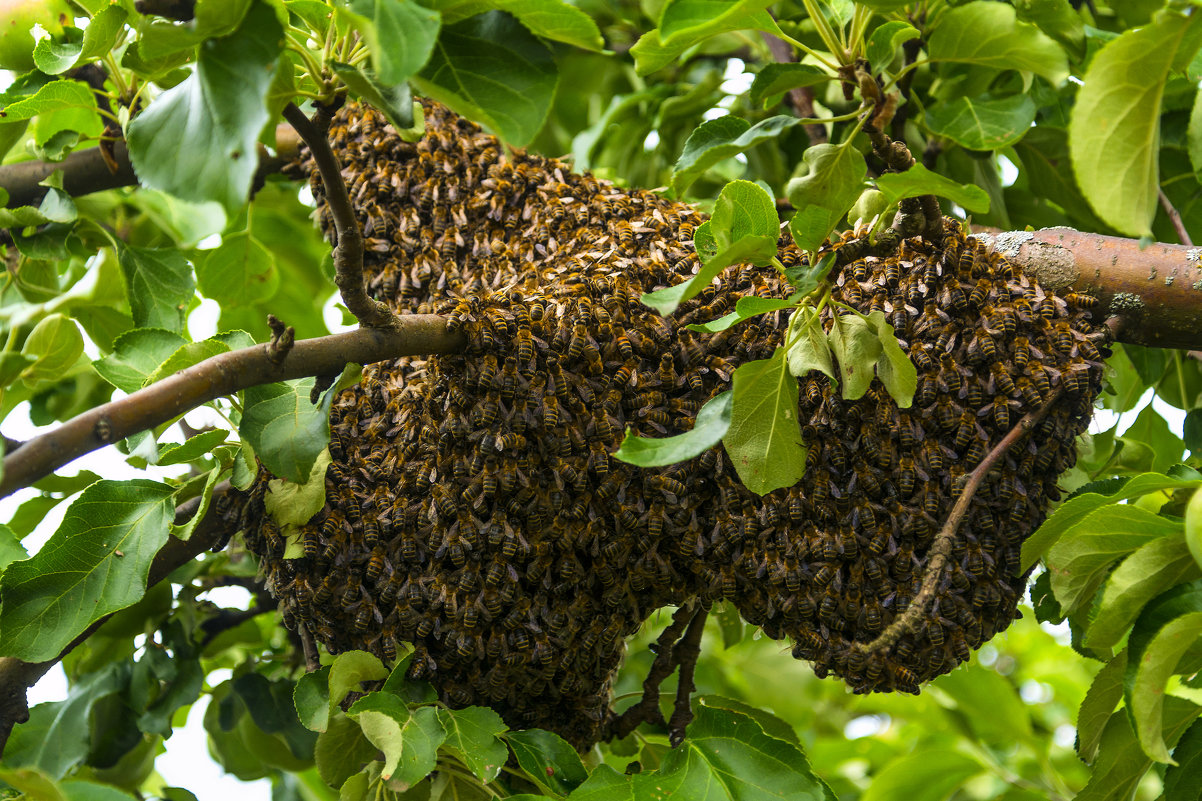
474,508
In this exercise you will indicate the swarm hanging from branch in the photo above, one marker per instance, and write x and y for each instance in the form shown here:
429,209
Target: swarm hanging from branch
473,506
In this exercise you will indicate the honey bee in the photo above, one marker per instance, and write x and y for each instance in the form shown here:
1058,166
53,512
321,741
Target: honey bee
1001,379
1081,301
1030,394
1062,337
375,566
1039,380
892,273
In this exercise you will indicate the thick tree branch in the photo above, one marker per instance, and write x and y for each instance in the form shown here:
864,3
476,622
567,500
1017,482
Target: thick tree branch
414,334
348,239
17,676
1157,290
85,171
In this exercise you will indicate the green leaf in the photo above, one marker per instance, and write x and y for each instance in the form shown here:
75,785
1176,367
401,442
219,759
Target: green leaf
56,57
1181,781
824,194
408,738
549,19
1115,129
291,504
396,102
95,563
135,356
217,474
197,140
56,207
400,34
349,670
31,784
604,784
79,790
1121,763
1073,510
1194,134
1149,444
883,44
713,421
651,52
895,370
857,348
1193,526
989,35
238,272
490,68
185,356
311,696
772,725
159,285
285,429
918,180
341,750
1103,696
62,95
58,737
1058,19
54,344
809,348
1081,560
685,19
1139,578
11,549
666,300
547,759
926,775
728,755
193,448
775,79
472,736
745,308
982,122
764,440
1155,665
715,140
975,688
743,210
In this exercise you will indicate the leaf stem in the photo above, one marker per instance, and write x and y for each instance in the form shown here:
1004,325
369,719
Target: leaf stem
809,51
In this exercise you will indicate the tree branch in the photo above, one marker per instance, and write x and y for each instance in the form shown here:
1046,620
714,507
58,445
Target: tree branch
1174,218
647,709
1158,290
224,374
85,171
941,548
801,99
686,653
17,676
348,239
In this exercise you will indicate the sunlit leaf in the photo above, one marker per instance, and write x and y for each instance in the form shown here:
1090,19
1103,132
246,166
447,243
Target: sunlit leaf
1115,129
54,345
96,563
983,123
883,44
718,139
713,421
857,348
285,429
773,80
651,52
1156,664
990,35
239,271
1103,696
918,180
764,439
824,194
400,35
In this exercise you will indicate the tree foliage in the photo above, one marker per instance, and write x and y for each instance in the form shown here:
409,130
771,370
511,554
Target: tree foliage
1027,114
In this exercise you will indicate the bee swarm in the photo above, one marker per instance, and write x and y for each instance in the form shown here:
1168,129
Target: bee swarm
474,508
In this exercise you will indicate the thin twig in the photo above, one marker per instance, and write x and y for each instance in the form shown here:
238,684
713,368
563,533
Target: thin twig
309,647
941,549
686,654
801,99
224,374
647,710
17,676
226,619
1174,218
348,238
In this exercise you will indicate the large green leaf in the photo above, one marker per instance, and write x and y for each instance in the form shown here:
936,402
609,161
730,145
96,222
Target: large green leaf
764,440
1121,763
1183,781
472,736
1115,130
159,284
824,194
1083,557
342,750
727,755
926,775
718,139
1156,664
197,140
548,759
1058,19
556,20
241,271
96,563
1143,575
883,44
774,80
989,35
1103,696
893,366
285,429
491,69
56,57
1075,509
857,348
400,35
748,248
651,52
54,345
135,356
983,123
408,738
918,180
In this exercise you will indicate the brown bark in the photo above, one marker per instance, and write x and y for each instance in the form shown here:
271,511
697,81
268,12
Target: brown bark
1157,291
414,334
